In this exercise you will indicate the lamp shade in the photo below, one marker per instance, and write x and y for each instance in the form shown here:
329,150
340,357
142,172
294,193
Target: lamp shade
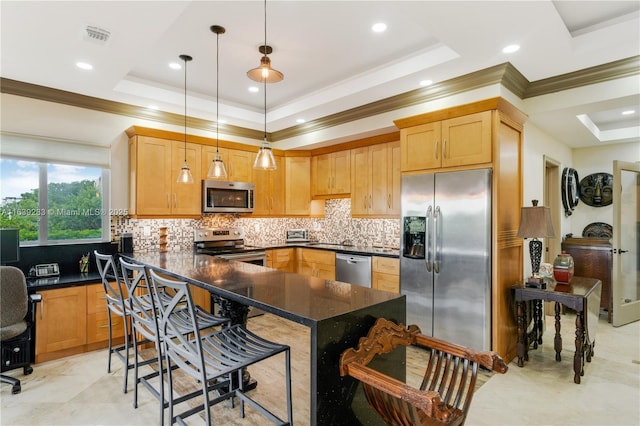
535,222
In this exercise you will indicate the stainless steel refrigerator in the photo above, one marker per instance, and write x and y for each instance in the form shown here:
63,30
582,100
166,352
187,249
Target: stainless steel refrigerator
445,259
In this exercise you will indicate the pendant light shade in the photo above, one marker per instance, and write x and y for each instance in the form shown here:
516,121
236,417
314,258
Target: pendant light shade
265,159
264,72
185,172
217,170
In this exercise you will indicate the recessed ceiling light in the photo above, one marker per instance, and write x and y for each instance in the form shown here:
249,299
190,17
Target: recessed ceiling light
300,120
84,66
175,66
379,27
253,89
424,83
511,48
154,107
628,112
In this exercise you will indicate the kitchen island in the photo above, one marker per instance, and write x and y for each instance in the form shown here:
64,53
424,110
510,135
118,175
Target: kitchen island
337,314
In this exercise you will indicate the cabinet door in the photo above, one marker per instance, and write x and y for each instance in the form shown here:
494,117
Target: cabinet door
97,319
378,179
360,181
262,192
394,179
185,197
341,183
284,259
298,185
152,178
385,282
277,189
466,140
61,320
421,146
240,165
322,174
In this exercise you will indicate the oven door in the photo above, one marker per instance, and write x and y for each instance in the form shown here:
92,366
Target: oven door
256,257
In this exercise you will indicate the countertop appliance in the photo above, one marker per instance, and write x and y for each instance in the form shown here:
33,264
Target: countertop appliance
353,269
297,236
227,197
227,243
445,257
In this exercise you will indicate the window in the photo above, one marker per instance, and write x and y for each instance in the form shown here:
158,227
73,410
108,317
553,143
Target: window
54,203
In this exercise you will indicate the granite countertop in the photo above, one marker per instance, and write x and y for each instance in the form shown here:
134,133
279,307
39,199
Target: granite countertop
300,298
336,247
63,280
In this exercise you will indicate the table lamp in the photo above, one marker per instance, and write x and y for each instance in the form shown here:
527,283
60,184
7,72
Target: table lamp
535,222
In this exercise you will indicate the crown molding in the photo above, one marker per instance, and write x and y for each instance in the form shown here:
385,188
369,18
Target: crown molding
505,74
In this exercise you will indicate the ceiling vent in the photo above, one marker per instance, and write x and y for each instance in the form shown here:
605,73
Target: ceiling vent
96,34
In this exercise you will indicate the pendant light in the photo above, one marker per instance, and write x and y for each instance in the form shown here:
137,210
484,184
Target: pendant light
185,173
217,169
264,72
264,159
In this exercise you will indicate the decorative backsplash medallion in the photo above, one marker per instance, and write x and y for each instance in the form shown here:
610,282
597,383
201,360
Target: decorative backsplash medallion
335,227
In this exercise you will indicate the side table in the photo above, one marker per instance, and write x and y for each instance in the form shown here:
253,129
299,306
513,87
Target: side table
580,294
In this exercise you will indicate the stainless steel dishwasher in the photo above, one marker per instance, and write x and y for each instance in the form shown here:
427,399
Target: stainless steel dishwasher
353,269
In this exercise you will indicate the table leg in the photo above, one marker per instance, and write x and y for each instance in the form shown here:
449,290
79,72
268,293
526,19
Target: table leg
557,340
538,316
578,357
520,345
238,314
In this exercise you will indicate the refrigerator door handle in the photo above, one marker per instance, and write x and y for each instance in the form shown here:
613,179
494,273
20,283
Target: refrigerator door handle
428,257
437,219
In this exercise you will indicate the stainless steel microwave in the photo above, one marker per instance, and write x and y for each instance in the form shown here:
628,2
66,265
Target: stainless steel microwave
227,197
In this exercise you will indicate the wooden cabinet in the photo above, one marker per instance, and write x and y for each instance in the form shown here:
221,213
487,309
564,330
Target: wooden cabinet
593,258
331,174
238,163
154,165
283,259
483,134
375,180
385,274
269,190
317,263
298,186
97,318
459,141
61,323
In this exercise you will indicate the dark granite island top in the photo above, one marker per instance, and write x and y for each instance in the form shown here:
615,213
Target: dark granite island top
337,314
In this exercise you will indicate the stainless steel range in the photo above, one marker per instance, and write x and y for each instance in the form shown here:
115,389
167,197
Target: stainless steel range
227,243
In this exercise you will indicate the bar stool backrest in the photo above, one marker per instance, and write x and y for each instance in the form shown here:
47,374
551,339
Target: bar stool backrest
112,283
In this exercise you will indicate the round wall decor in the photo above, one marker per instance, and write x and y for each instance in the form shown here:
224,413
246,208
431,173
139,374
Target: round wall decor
569,190
596,190
598,230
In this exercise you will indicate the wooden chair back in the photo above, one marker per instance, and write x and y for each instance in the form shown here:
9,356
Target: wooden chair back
447,387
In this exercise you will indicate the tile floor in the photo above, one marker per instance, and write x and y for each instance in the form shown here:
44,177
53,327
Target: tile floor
78,391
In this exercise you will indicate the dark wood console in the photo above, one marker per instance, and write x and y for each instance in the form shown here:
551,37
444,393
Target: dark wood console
593,258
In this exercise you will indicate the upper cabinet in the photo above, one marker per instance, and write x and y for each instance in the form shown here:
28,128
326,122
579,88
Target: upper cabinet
375,180
331,174
269,192
459,141
154,164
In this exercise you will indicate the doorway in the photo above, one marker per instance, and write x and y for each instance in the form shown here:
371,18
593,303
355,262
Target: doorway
551,199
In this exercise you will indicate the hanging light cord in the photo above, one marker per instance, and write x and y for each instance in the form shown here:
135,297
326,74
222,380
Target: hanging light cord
185,110
217,90
264,79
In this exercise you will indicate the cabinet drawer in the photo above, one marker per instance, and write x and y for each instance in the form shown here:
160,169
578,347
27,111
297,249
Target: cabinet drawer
324,257
387,265
386,282
98,327
96,299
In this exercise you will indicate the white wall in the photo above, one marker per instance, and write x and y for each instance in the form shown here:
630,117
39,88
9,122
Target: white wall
598,160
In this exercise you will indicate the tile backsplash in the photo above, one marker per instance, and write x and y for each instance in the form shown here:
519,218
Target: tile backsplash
335,227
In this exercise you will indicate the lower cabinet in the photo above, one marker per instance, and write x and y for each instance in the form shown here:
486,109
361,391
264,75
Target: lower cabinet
283,259
73,320
385,274
317,263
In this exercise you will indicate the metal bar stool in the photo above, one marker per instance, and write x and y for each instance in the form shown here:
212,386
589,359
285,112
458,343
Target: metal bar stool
214,358
144,300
